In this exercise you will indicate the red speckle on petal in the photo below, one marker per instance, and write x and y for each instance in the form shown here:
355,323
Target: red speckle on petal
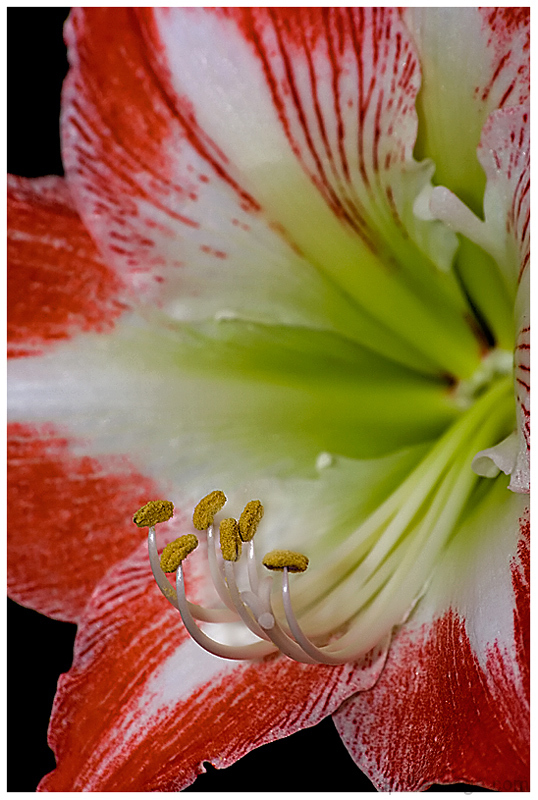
521,584
437,715
508,19
211,251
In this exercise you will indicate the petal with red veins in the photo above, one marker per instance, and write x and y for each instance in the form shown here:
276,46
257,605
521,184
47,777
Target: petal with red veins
504,153
520,475
513,125
474,61
143,706
69,519
476,64
234,185
494,257
165,205
457,675
58,284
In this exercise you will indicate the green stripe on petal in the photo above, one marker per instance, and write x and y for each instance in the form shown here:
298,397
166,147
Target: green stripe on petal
230,399
292,389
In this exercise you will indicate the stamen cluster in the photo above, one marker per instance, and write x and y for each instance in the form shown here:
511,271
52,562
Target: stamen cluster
254,606
366,585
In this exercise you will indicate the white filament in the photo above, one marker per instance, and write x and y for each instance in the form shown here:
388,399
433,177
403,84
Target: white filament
252,569
242,609
203,614
374,579
216,567
317,654
253,607
240,652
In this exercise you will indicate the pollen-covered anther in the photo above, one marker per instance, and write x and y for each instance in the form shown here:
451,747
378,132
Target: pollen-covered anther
153,512
285,559
250,519
230,541
206,509
175,552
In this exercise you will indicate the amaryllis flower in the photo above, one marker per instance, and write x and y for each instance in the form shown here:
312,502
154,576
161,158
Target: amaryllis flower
288,261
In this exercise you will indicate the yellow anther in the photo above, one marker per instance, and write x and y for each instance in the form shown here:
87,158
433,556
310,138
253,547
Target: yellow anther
280,559
207,508
174,553
230,542
249,520
153,512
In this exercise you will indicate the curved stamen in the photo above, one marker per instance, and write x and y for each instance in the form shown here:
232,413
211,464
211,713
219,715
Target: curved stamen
319,655
216,567
235,653
243,610
371,582
158,574
253,577
203,614
277,634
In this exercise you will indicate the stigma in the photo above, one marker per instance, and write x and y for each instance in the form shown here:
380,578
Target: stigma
254,606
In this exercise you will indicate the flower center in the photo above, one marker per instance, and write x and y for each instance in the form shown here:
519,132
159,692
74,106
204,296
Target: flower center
348,604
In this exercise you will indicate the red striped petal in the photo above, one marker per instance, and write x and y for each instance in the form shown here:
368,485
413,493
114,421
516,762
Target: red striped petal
441,713
69,520
164,202
520,478
507,39
474,61
143,706
245,161
136,163
505,155
58,284
340,84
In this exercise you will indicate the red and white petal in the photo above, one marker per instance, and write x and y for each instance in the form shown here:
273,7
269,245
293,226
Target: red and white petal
512,129
69,519
520,475
143,706
58,284
504,153
456,680
473,61
160,197
245,161
324,92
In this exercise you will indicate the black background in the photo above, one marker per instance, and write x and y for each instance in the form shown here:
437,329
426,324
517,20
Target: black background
39,649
